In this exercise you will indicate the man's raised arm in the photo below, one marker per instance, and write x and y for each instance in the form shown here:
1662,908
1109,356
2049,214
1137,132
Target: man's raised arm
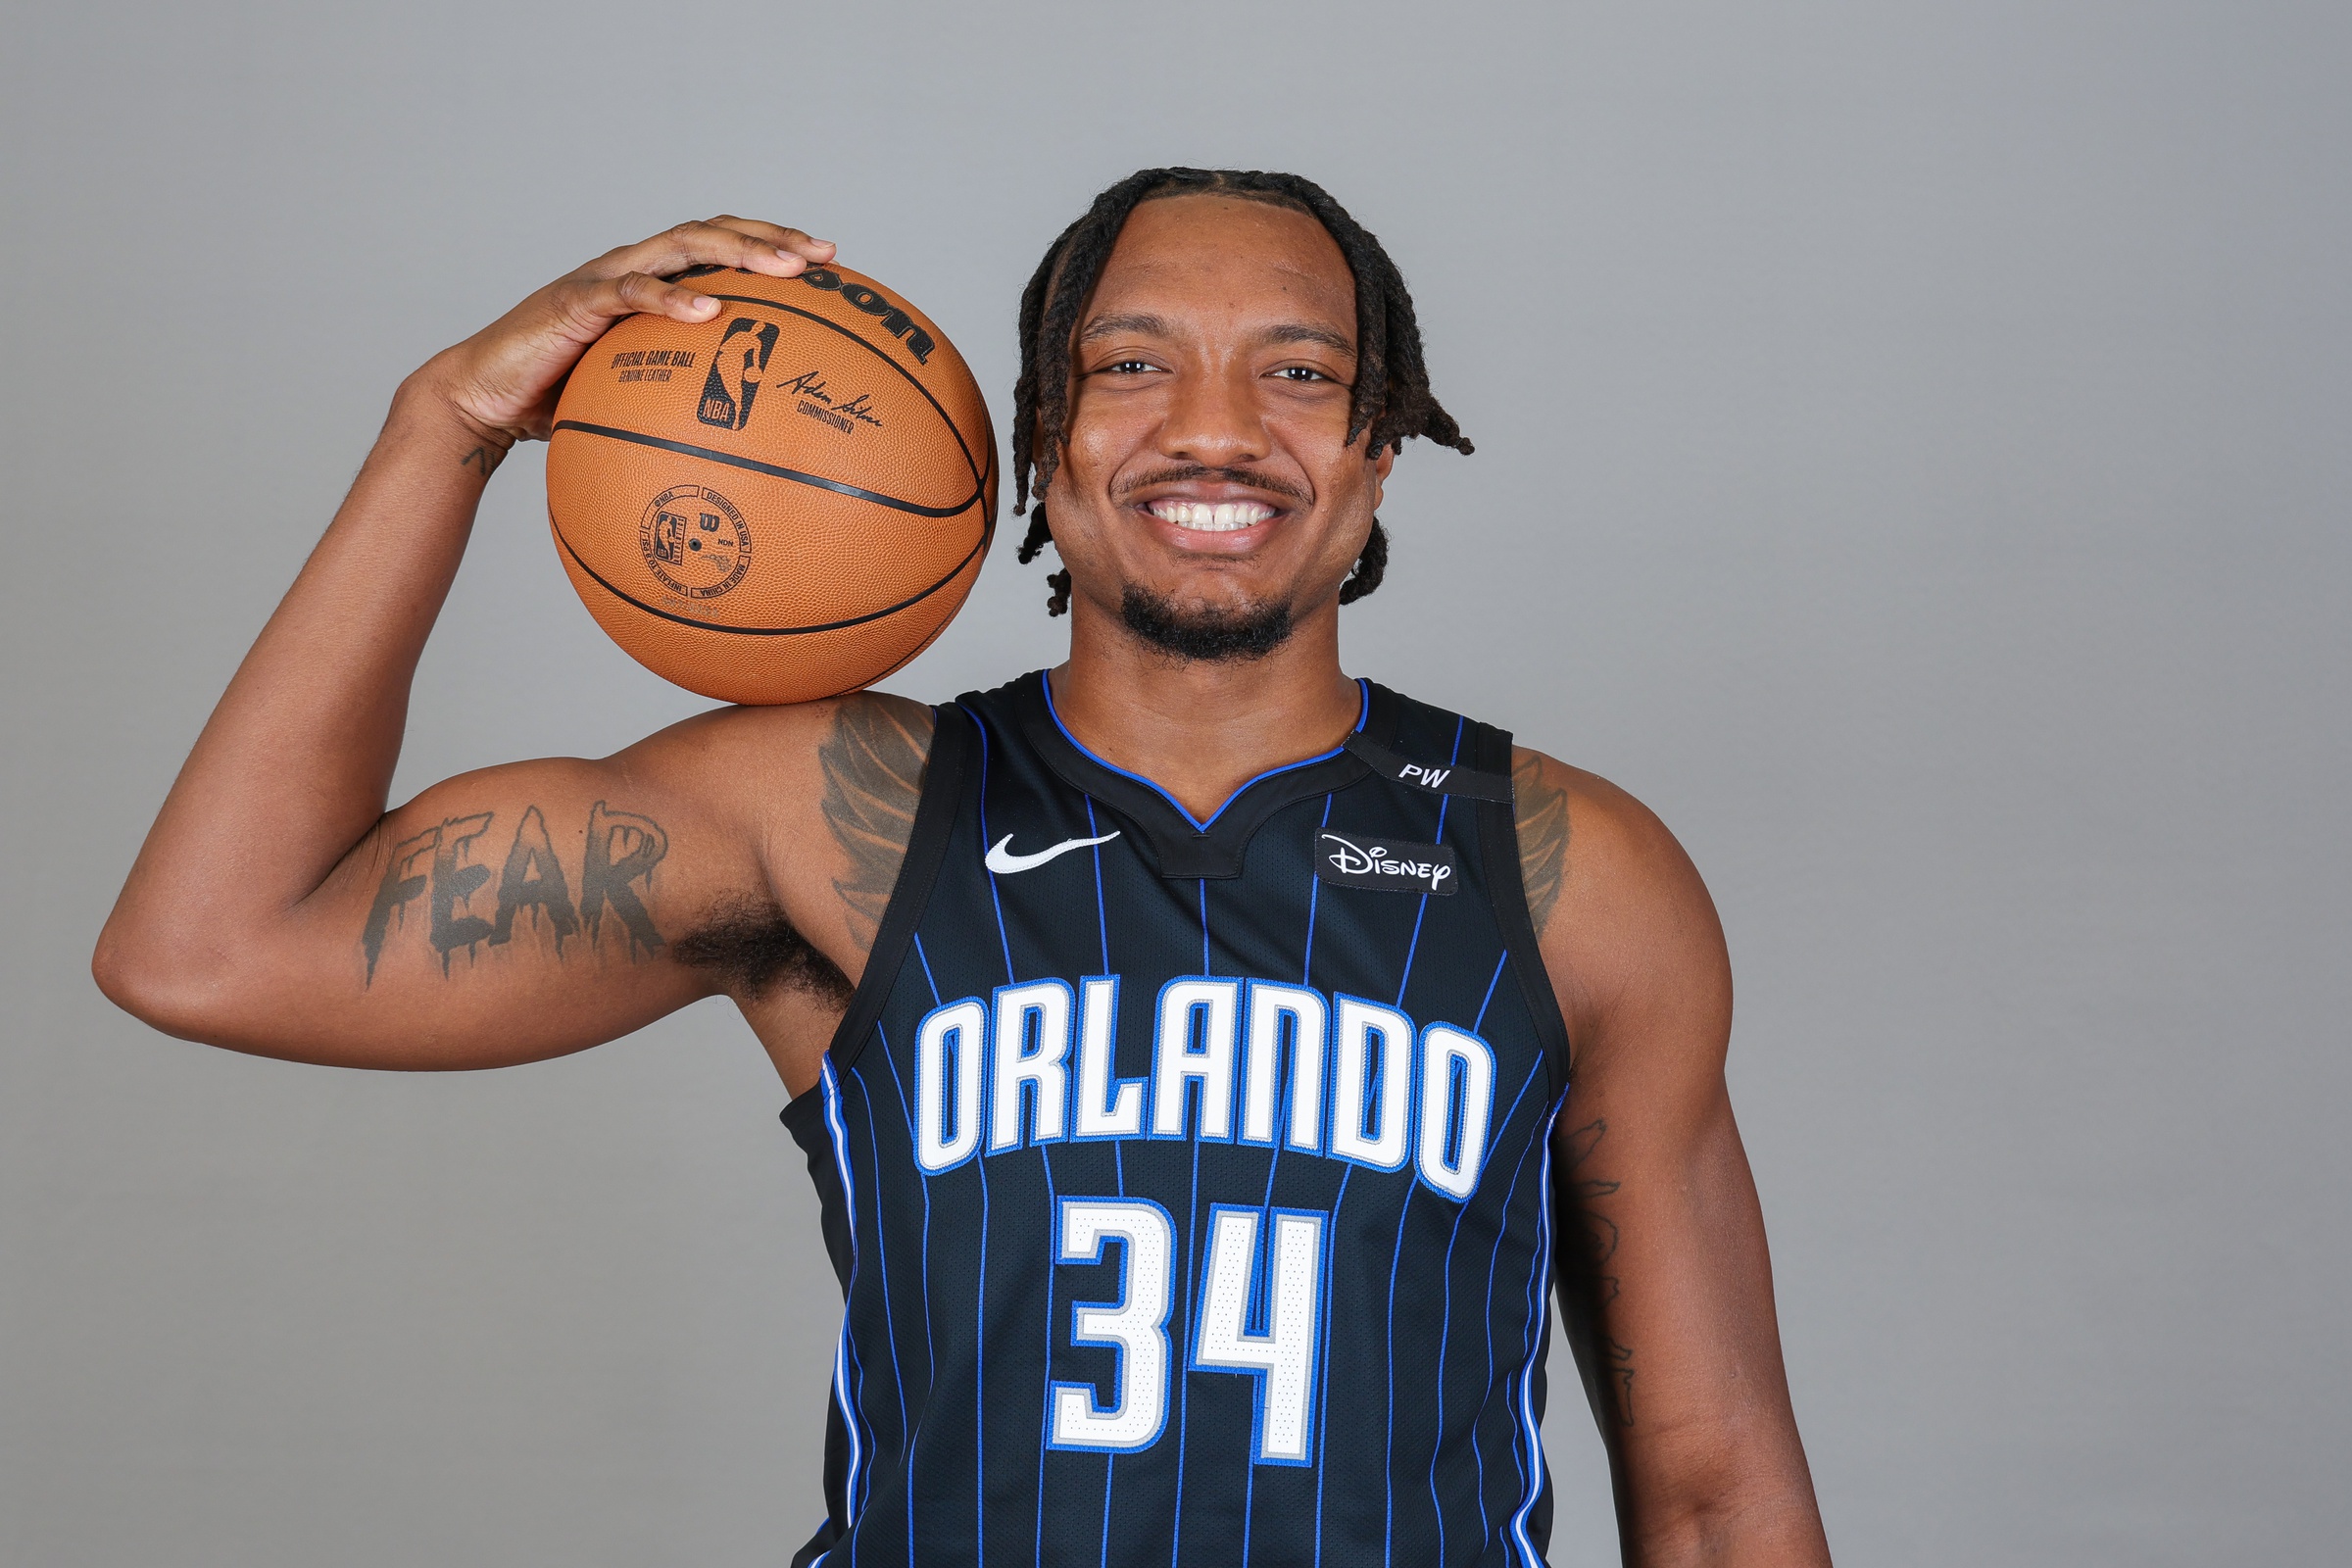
508,914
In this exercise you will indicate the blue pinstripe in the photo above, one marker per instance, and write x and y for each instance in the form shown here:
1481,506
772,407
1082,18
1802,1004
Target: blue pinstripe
1446,1324
1119,1164
930,1348
1501,1241
1323,1399
1102,930
1387,1533
1445,1330
1282,1111
889,1323
1536,1301
845,1356
980,1296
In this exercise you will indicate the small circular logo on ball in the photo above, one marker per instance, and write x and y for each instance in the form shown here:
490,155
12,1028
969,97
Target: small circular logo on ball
695,542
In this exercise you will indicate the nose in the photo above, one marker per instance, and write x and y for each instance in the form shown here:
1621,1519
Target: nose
1213,418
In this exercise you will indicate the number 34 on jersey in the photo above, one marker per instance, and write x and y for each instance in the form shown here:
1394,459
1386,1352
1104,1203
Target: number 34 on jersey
1282,1350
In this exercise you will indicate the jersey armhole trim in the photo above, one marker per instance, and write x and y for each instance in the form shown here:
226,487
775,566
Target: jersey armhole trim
1498,847
935,814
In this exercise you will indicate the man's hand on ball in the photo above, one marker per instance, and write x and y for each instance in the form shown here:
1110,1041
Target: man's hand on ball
505,379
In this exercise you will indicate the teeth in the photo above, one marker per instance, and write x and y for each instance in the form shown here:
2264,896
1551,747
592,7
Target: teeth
1202,517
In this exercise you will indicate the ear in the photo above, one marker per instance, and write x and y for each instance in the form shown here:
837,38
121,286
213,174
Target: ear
1379,473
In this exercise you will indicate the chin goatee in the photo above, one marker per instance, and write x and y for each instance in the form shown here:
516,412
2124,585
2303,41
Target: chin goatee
1204,633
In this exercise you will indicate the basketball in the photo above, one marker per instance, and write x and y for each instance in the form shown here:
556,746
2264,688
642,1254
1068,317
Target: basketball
786,502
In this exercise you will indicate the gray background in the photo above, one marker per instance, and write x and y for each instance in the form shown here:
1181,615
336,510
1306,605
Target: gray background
1912,449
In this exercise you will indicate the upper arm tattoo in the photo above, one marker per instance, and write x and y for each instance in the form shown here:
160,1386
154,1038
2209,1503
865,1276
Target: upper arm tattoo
873,765
448,866
1542,811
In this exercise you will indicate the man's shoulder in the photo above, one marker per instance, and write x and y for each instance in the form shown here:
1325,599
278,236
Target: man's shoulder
1542,783
1613,896
791,778
726,740
1579,820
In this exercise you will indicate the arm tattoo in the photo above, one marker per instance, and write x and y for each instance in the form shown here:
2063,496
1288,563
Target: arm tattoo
449,866
1543,810
873,764
1587,1292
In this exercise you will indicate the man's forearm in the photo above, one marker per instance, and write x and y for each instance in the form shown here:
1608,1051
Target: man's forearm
1765,1525
293,765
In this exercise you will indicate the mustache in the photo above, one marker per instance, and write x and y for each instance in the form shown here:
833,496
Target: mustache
1194,473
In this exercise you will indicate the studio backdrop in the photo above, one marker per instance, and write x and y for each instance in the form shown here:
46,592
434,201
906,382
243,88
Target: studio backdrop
1912,457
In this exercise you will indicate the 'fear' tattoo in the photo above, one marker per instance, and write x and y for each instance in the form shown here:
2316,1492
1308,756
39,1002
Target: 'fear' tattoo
1587,1292
1542,811
873,764
444,865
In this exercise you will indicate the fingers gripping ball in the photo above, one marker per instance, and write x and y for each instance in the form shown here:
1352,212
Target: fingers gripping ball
785,502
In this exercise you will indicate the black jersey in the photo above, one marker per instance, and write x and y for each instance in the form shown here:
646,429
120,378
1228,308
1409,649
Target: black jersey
1189,1182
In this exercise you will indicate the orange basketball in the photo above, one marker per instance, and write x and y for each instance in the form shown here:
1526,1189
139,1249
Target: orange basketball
786,502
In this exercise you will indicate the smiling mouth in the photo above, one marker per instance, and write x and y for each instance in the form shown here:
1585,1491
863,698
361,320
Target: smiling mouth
1205,516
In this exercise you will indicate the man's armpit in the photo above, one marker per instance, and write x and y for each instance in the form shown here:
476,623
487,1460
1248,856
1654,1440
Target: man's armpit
753,949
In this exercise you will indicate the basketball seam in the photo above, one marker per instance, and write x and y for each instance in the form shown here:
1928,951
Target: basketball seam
913,653
911,379
838,486
761,631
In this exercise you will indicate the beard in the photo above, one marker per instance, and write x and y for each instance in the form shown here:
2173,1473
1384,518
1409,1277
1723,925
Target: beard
1204,633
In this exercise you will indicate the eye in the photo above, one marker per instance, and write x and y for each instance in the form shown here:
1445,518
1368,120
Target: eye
1128,368
1302,374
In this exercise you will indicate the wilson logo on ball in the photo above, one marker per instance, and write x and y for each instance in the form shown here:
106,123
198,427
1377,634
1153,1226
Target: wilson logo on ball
873,302
865,296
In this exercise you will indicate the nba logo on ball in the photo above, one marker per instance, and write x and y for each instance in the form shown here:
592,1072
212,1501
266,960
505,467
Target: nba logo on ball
745,349
865,548
695,542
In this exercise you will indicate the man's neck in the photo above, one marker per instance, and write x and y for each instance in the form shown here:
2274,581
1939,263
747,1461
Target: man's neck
1201,729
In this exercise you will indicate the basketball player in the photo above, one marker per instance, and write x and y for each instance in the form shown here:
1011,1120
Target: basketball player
1209,1062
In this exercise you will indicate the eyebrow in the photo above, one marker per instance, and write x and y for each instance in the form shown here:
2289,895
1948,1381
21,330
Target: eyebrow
1300,332
1117,325
1148,325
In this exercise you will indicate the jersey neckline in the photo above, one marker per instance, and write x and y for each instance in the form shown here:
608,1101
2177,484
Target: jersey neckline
1364,712
1183,845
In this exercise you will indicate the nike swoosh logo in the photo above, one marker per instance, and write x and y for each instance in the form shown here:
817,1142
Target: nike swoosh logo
1003,860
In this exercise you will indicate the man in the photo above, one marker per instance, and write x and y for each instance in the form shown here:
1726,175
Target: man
1179,1039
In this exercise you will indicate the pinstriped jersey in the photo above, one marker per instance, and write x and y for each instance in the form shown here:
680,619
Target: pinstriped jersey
1189,1180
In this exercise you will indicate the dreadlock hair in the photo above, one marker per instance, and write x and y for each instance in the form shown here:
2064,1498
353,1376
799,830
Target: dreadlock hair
1391,398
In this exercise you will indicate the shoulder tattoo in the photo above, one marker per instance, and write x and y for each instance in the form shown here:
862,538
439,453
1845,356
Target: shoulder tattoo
1543,813
873,765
